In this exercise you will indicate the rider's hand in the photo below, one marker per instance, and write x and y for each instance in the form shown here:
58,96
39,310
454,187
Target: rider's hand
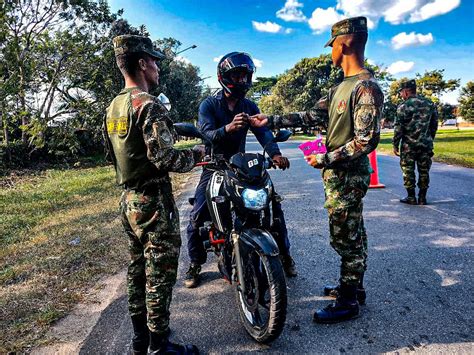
316,160
258,120
199,152
281,162
396,152
239,122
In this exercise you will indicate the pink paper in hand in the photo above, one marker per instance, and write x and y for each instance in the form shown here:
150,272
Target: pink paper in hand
313,147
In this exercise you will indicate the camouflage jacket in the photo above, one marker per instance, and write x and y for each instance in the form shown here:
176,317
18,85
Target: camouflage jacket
366,104
416,124
140,138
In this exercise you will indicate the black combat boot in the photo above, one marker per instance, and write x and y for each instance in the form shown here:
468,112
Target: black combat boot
161,345
289,265
333,291
141,335
192,278
422,197
346,307
411,198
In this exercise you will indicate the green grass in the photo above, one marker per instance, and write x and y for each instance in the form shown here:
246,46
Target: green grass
187,144
59,234
451,146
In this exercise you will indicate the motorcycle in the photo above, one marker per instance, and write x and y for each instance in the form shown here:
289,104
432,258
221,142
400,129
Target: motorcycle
239,196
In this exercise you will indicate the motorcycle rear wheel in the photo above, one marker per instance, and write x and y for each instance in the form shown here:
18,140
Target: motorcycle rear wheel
263,306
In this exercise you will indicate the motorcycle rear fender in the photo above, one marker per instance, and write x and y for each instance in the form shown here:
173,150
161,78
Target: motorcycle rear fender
260,240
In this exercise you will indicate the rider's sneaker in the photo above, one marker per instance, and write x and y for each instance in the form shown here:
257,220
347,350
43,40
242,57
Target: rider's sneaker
289,265
158,345
192,278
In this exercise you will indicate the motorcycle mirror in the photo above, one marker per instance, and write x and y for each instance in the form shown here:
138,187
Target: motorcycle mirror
282,136
187,130
165,101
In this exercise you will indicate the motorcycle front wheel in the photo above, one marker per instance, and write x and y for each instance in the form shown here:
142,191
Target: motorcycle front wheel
262,306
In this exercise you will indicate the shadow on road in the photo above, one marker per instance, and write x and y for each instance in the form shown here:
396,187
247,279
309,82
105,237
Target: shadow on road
419,282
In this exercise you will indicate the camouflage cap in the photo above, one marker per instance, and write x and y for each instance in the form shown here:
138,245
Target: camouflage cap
348,26
135,44
407,84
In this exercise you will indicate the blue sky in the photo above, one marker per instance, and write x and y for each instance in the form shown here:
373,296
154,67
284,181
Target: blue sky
406,36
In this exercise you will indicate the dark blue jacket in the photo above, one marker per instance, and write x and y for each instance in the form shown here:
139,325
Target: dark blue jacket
214,114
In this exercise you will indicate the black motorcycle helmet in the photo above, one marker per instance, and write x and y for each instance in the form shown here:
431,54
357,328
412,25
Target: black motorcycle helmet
235,61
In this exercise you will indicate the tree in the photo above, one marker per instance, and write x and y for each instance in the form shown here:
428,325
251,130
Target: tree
46,44
446,112
262,86
301,87
432,84
466,102
58,75
311,78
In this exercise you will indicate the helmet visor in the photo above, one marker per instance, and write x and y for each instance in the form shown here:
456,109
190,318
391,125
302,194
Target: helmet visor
238,61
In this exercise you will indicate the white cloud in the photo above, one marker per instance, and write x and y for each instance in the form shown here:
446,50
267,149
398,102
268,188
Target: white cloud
268,26
404,39
434,8
183,59
382,42
400,67
395,11
258,63
322,19
291,12
371,62
216,59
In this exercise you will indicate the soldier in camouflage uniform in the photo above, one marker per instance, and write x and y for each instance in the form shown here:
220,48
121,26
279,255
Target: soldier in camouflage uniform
139,136
415,129
351,116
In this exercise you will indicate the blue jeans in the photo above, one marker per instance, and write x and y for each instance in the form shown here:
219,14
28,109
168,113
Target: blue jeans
200,214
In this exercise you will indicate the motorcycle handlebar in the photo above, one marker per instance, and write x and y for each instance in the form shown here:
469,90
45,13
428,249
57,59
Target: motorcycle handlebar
269,164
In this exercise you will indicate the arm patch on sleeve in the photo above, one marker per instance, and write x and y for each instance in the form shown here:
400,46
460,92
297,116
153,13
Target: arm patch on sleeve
162,134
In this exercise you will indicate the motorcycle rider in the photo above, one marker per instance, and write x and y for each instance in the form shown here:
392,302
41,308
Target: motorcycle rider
223,119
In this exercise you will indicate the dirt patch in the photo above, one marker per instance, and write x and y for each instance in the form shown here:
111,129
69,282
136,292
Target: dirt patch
78,324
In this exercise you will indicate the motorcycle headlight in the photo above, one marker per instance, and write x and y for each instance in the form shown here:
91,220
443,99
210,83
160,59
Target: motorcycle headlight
255,199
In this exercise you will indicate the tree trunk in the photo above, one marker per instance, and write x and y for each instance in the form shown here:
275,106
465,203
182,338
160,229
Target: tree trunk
6,138
21,94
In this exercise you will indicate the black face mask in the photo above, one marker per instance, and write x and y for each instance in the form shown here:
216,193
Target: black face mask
238,92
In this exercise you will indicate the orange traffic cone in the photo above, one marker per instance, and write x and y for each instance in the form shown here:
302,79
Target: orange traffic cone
374,177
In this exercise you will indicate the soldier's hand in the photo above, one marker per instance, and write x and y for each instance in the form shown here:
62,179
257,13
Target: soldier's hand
281,162
239,122
199,151
258,120
315,160
396,152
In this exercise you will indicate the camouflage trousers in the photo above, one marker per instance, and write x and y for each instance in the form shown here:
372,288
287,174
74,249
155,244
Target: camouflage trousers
344,190
422,160
152,224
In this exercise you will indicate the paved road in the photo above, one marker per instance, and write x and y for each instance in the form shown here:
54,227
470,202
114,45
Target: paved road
419,283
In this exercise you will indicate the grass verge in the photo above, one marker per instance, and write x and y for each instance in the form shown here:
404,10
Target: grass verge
451,146
59,235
